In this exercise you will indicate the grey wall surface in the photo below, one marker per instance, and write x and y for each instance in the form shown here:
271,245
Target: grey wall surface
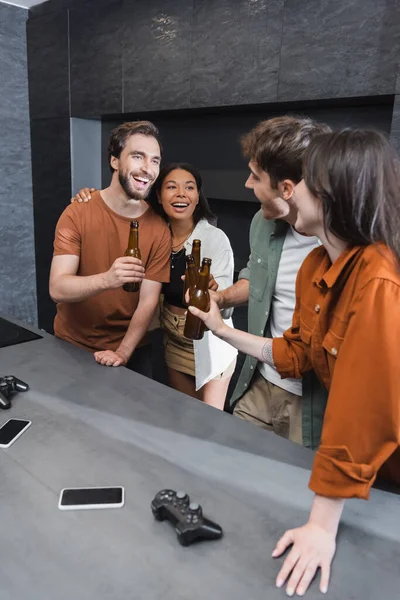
395,132
118,58
17,256
85,154
129,55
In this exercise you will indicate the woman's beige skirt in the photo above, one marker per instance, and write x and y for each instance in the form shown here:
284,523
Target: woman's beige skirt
179,353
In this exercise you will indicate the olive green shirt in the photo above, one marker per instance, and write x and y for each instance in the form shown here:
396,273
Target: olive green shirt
266,242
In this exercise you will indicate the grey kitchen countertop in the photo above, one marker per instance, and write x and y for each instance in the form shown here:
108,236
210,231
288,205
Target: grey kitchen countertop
93,425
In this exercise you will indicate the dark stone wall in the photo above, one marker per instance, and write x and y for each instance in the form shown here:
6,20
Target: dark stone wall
130,55
17,257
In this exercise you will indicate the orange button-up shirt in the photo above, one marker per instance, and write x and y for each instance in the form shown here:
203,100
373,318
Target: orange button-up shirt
346,326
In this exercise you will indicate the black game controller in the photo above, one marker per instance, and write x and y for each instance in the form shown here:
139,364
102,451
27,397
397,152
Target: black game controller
8,385
187,517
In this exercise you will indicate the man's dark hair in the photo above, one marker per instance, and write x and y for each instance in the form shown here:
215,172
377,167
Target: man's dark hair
356,176
278,145
122,133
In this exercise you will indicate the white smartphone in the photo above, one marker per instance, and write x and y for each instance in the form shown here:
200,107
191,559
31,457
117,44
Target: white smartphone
12,430
91,497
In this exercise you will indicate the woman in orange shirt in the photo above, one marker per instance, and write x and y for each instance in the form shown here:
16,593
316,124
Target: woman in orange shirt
346,326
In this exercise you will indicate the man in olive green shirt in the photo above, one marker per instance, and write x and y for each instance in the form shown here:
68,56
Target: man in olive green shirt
291,408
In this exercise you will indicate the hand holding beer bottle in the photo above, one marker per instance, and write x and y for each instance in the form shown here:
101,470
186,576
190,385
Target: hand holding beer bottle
133,251
212,318
200,298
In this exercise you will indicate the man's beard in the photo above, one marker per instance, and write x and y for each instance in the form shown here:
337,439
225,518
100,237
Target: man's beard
126,184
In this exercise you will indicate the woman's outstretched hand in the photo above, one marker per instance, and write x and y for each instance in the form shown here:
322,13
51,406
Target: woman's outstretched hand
312,547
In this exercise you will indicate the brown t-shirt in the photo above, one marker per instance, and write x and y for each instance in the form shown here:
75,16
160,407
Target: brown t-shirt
99,236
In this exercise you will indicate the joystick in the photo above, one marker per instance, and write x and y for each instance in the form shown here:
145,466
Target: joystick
8,385
187,517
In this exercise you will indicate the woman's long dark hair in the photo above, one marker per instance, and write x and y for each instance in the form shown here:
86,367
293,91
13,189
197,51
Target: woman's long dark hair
356,175
202,210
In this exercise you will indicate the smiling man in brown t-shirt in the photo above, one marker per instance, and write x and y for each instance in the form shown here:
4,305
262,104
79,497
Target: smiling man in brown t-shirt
88,268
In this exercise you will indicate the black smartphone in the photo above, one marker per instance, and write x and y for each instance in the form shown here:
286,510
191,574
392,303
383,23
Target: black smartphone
91,497
12,430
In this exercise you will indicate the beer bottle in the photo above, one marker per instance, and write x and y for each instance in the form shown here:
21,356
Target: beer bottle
190,277
133,250
196,247
194,327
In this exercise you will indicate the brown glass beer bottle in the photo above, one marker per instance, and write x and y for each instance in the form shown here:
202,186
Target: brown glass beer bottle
190,277
133,250
196,248
194,327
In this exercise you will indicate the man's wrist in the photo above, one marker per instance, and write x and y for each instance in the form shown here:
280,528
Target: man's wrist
102,282
124,352
220,299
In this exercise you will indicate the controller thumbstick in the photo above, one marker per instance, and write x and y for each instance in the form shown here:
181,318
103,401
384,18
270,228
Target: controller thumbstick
194,508
181,496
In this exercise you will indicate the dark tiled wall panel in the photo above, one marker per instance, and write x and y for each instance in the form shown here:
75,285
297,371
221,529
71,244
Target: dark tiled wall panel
17,258
96,59
51,170
156,54
53,6
136,55
49,92
395,132
235,52
48,65
338,49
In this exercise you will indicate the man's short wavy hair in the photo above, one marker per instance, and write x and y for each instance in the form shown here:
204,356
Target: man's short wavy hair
278,145
122,133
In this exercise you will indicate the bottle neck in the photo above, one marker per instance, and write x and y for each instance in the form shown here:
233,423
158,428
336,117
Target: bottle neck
203,278
192,274
196,255
133,243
